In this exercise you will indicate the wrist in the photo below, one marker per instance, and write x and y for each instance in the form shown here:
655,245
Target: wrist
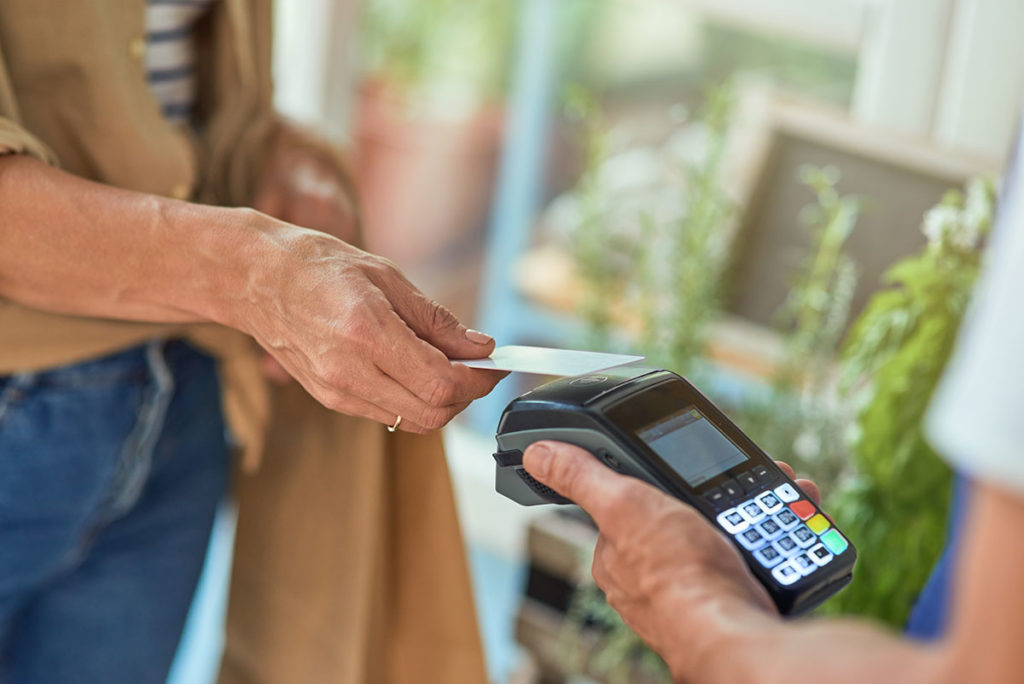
708,633
236,261
268,270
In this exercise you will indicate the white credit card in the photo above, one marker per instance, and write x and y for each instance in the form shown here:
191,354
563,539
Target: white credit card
545,361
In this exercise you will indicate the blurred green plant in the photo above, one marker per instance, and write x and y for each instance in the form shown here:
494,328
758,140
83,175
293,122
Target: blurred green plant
895,507
817,307
790,64
595,256
670,270
799,418
459,49
686,259
635,49
615,652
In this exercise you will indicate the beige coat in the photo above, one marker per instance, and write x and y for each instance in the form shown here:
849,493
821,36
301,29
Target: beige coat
349,564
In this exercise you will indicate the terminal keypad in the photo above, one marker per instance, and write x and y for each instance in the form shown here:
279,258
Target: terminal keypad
783,529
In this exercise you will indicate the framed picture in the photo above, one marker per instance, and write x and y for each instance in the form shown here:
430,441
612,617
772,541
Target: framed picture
896,178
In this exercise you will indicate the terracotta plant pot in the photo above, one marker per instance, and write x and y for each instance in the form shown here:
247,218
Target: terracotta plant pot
426,185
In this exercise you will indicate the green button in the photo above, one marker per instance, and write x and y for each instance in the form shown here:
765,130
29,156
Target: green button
835,542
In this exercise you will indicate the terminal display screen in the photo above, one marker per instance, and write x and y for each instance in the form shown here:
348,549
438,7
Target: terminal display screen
692,446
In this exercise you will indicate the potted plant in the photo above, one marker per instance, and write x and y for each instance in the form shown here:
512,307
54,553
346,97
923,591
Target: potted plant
896,502
428,121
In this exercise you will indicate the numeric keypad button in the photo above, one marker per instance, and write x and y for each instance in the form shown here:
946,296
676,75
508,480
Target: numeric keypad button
803,536
752,511
750,539
769,529
732,522
804,563
786,519
819,554
787,546
786,574
769,502
768,556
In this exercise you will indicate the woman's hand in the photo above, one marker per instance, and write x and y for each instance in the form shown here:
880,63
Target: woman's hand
304,184
356,333
346,324
662,565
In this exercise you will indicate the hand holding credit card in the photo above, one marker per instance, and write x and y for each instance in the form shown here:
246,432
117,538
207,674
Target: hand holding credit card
545,361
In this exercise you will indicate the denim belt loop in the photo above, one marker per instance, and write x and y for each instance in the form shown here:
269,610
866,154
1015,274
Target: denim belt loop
137,452
12,392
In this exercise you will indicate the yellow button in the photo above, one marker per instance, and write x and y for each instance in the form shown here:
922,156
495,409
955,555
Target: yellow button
818,524
137,48
181,191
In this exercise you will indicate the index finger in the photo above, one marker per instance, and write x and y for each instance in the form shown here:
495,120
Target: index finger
611,499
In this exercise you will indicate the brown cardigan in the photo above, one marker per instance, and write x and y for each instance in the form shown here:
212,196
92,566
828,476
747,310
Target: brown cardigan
73,92
349,564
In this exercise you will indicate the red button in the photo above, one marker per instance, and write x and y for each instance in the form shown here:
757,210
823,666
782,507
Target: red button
804,509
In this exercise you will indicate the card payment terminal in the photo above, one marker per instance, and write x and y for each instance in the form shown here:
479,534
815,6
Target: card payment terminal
654,425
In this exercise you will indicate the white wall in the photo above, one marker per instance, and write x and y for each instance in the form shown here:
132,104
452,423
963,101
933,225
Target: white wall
313,65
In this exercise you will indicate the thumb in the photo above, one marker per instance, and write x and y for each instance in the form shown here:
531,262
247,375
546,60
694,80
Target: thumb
577,475
439,326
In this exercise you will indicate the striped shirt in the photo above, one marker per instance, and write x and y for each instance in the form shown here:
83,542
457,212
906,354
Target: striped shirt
170,54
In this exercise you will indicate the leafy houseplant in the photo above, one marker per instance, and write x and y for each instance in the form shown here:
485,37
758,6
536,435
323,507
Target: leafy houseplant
686,258
896,505
646,228
892,498
444,57
618,655
799,419
591,235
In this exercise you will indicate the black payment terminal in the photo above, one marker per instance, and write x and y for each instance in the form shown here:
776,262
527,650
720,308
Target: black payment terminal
654,425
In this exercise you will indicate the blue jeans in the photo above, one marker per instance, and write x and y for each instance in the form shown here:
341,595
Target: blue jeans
110,474
930,614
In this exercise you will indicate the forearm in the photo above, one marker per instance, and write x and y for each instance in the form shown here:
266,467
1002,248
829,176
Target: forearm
685,590
740,644
346,324
72,246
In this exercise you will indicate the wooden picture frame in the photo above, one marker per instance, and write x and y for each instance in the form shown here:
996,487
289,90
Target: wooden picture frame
897,177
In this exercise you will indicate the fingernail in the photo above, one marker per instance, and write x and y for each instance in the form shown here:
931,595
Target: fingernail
540,460
478,337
